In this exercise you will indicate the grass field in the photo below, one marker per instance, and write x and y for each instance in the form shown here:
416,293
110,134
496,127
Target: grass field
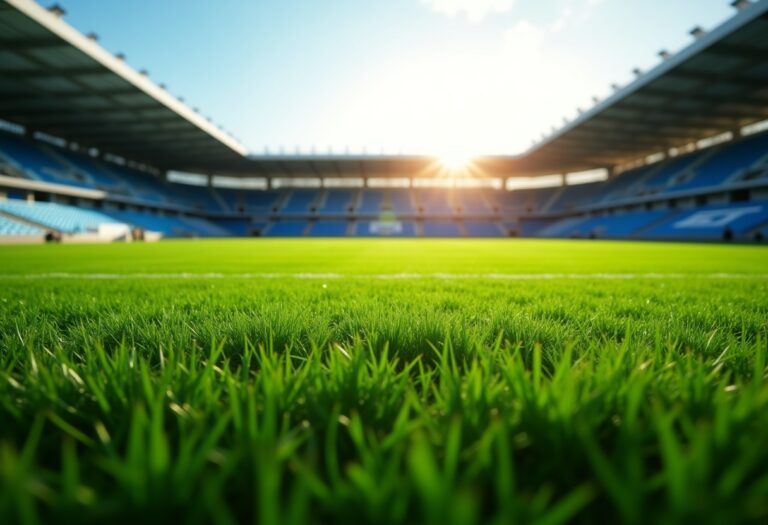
361,381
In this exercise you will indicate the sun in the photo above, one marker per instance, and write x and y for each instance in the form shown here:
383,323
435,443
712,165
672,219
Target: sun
455,160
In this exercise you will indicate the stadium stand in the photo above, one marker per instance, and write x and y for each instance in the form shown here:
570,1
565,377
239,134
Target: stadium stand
548,212
522,201
471,202
240,227
14,228
401,202
483,229
286,228
441,229
712,223
99,177
530,227
617,226
574,197
433,201
619,187
144,187
561,228
329,229
67,219
262,202
336,202
299,201
371,201
199,197
725,163
169,225
28,159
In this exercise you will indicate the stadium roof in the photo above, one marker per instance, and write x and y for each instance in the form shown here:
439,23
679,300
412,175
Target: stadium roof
719,83
56,80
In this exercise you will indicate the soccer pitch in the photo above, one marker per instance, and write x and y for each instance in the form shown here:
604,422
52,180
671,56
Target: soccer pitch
385,381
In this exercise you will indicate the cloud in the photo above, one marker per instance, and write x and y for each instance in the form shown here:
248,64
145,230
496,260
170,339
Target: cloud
473,10
575,13
565,16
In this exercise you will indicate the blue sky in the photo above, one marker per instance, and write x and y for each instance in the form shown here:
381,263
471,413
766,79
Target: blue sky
412,76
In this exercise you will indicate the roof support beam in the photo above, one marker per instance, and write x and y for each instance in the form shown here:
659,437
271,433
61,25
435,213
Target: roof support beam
724,78
28,44
42,113
11,100
15,74
77,124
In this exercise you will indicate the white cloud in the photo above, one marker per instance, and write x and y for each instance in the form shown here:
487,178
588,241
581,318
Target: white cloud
563,19
473,10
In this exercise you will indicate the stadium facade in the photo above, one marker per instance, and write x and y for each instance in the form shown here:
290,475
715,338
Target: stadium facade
87,145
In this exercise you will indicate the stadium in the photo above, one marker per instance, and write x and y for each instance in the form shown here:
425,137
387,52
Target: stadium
192,330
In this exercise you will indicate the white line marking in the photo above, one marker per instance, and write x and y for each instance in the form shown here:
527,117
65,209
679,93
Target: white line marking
384,276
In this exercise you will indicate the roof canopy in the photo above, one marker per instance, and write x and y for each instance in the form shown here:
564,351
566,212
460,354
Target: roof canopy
719,83
56,80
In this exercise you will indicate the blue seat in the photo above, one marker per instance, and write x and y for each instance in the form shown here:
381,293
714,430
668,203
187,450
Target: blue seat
31,160
100,177
261,201
521,201
471,201
712,222
561,228
574,197
433,201
617,226
238,227
667,172
620,187
329,229
400,201
441,229
286,229
11,228
336,202
371,201
299,201
483,229
530,227
727,162
143,186
67,219
199,197
169,225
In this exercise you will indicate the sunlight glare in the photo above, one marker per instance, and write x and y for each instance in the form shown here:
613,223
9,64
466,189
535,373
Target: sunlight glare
455,160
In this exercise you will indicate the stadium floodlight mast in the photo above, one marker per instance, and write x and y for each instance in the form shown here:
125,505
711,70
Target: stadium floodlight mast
664,54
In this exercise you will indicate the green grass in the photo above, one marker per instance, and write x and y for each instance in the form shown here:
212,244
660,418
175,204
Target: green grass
514,381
